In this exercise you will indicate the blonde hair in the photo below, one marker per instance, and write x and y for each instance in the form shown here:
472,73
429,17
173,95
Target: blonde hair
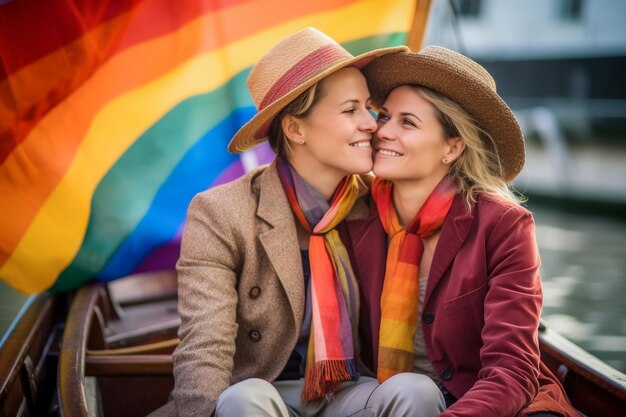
299,107
477,170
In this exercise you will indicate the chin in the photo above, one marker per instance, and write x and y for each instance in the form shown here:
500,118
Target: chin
385,172
361,167
360,170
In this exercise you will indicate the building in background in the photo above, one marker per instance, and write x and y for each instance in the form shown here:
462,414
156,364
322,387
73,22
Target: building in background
561,66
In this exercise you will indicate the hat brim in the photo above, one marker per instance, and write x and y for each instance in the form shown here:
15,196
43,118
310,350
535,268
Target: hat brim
482,103
247,136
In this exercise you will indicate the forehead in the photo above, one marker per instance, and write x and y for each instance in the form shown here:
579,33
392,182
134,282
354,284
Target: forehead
406,99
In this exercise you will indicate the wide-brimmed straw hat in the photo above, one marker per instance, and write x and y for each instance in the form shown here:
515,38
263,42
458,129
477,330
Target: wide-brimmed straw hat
286,71
463,81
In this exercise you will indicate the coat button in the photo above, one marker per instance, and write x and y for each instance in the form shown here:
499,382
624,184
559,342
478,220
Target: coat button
255,292
255,335
428,318
446,374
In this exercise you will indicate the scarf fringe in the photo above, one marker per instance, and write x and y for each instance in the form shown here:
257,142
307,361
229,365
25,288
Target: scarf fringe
322,378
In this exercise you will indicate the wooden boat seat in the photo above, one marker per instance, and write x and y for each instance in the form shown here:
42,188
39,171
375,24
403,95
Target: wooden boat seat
149,359
142,308
143,288
119,343
156,348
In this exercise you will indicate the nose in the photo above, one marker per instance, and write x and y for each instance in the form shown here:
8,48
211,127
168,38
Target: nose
385,132
368,123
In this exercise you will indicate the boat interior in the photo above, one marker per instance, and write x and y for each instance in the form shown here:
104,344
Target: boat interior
106,350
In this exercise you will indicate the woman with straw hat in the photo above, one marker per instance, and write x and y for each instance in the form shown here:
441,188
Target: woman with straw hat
268,292
461,295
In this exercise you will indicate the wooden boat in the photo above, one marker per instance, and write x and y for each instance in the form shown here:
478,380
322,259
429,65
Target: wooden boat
105,350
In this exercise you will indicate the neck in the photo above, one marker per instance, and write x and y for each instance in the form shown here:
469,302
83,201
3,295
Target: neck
323,180
410,196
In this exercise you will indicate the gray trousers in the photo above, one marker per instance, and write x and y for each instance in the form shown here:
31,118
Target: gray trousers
406,394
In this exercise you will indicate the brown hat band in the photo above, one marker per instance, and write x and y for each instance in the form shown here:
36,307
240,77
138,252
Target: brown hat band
302,70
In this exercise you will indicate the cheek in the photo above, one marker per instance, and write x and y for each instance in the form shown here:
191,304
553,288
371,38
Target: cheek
334,136
323,130
426,154
423,164
423,157
428,149
326,147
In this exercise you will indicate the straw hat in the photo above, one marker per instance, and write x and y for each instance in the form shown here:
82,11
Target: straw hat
463,81
286,71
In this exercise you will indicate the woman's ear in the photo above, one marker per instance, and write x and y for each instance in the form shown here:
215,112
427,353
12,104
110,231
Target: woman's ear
293,128
454,149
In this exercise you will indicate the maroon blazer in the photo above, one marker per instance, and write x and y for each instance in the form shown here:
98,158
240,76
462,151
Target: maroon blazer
481,310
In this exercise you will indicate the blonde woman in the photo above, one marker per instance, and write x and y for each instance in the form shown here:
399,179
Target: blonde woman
461,296
268,273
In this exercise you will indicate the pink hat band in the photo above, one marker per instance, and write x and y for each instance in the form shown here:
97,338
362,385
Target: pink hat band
314,62
304,69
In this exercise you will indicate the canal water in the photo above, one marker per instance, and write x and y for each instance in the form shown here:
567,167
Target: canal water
584,279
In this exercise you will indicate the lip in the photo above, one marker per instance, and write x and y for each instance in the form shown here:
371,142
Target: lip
362,144
388,152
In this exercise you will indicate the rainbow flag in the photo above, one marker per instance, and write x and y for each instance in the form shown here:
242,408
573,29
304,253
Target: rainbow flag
115,113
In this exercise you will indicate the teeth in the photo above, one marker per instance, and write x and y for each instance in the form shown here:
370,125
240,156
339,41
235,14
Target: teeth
388,152
364,144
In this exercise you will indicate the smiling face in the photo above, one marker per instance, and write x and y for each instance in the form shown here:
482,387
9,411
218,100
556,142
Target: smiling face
338,130
410,144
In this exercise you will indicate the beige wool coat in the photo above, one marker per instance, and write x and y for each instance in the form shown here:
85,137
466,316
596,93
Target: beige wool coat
241,289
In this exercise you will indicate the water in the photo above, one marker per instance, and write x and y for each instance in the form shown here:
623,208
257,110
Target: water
584,280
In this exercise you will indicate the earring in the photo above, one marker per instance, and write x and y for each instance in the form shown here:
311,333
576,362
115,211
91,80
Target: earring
445,161
301,141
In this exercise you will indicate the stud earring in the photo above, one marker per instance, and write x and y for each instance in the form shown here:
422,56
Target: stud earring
301,141
445,161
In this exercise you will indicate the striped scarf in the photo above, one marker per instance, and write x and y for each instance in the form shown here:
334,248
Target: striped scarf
330,354
400,296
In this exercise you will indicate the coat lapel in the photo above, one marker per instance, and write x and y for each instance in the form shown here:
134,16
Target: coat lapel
453,233
280,240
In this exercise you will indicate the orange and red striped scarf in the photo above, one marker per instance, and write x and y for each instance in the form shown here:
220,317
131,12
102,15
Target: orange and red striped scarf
400,296
334,293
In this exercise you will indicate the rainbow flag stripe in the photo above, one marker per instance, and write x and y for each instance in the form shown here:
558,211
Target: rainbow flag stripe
114,114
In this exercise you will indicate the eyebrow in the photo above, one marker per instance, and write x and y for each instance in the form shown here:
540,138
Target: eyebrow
355,101
403,113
